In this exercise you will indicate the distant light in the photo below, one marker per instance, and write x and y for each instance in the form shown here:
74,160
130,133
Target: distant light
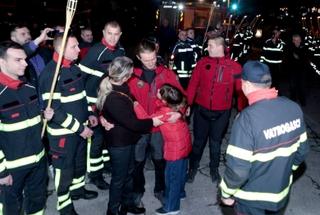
224,1
201,1
258,33
180,6
234,6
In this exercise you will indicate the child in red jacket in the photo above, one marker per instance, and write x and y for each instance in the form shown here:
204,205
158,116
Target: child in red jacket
177,145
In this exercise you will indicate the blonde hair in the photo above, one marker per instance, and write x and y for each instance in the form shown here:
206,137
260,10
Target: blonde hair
119,69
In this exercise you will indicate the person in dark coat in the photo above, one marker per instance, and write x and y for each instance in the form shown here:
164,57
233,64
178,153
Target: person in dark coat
116,104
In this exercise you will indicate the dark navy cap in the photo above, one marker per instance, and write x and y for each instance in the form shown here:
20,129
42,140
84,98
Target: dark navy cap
256,72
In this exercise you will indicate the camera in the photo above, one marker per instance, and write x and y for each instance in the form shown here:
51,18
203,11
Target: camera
53,33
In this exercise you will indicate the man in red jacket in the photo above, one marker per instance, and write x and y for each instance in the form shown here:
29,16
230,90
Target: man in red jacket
144,85
211,88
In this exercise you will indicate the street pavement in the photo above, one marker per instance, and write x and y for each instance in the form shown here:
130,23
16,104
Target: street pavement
201,194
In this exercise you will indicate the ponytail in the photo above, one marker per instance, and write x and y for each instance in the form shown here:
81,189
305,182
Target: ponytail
119,69
104,91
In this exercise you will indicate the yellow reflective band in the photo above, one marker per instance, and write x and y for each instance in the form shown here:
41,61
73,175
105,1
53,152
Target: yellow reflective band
63,197
105,159
267,197
67,121
63,205
89,141
280,152
46,96
3,165
57,178
77,180
76,126
95,160
91,99
280,49
270,61
58,131
65,99
25,161
90,109
38,213
1,154
226,190
75,97
240,153
105,151
1,208
20,125
225,195
95,168
91,71
77,186
295,167
303,137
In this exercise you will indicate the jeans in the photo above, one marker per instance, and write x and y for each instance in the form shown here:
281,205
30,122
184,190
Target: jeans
121,186
206,124
175,179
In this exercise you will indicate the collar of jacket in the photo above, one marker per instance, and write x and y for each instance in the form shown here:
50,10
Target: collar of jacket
65,63
137,72
10,82
217,59
104,42
262,94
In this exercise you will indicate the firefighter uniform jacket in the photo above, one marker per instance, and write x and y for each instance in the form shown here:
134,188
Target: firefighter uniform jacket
69,99
20,127
196,48
213,83
268,141
184,59
95,64
272,53
237,46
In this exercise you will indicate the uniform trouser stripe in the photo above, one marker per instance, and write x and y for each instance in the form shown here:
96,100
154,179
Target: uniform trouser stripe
93,164
63,200
105,155
95,157
77,183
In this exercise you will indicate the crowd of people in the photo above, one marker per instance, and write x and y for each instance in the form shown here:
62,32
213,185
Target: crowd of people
109,115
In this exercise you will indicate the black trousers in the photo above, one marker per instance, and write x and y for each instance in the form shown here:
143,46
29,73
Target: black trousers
29,185
212,125
69,161
154,143
98,153
241,209
121,186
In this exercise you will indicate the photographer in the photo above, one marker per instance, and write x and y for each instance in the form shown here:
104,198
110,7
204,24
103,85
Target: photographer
37,56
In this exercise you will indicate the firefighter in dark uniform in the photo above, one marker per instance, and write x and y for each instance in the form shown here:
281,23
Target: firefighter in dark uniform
212,86
191,40
272,55
67,132
95,64
184,59
268,141
237,46
23,167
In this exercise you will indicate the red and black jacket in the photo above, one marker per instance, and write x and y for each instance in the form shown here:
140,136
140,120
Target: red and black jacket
213,83
69,99
20,126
